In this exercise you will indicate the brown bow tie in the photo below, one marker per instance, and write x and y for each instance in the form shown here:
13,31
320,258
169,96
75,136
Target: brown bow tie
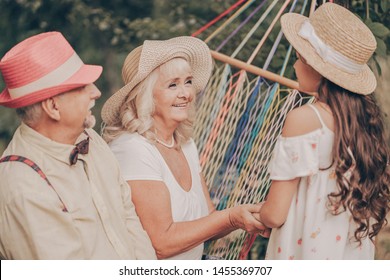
81,148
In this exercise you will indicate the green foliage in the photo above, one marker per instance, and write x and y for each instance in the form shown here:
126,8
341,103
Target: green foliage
378,20
376,15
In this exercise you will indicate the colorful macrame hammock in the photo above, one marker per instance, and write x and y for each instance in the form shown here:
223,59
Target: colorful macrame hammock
241,112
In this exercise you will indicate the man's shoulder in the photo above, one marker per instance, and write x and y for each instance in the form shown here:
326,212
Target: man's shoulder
20,149
18,176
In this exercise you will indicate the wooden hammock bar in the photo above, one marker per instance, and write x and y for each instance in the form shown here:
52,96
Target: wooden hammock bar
254,70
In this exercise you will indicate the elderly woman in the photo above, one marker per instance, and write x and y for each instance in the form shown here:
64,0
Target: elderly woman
148,127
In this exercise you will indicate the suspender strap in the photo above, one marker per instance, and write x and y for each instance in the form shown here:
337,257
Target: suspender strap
36,168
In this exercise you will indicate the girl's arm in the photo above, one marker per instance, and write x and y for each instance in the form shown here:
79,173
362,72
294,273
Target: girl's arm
274,211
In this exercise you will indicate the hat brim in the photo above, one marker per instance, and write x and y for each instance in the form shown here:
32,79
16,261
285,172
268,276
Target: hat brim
111,106
192,49
87,74
363,82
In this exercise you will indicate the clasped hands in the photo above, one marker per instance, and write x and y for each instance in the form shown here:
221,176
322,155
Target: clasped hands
247,217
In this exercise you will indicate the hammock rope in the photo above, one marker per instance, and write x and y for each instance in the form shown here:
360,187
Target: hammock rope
267,33
235,15
241,25
219,17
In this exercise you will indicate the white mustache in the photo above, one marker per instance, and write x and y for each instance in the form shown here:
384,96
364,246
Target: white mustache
91,105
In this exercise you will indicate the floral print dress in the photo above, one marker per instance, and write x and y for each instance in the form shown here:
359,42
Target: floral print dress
311,231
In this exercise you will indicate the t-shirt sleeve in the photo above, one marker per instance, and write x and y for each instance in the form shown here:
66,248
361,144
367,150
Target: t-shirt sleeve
294,157
138,159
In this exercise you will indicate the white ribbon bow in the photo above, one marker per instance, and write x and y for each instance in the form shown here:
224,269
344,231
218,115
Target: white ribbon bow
327,53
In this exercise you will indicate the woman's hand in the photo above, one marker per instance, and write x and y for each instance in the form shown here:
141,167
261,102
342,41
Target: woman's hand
244,217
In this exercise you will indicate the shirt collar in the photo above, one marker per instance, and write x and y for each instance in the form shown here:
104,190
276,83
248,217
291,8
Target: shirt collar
55,149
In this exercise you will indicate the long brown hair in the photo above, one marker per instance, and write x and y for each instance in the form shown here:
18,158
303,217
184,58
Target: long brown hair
361,158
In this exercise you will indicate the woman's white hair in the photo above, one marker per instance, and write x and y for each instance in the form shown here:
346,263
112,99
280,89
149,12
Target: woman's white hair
135,115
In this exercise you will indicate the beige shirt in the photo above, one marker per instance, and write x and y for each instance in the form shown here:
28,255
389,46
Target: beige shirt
101,222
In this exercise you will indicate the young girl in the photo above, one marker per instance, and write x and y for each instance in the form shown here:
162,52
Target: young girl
330,176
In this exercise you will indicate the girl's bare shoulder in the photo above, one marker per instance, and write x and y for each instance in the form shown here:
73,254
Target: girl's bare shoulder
300,121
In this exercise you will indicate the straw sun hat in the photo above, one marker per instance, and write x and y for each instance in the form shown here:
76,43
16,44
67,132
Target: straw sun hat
40,67
144,59
336,43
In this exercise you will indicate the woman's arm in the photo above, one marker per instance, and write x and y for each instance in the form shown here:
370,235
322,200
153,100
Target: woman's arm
264,233
153,205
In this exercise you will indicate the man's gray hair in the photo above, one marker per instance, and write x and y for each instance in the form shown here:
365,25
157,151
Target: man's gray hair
31,114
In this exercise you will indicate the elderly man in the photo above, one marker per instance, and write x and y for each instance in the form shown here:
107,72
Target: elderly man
61,191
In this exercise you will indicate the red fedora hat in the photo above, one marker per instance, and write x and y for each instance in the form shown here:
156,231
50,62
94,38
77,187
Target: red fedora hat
40,67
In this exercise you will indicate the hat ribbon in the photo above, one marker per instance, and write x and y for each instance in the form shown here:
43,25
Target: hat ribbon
327,53
54,78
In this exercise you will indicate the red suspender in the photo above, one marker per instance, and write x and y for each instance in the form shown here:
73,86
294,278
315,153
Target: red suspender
36,168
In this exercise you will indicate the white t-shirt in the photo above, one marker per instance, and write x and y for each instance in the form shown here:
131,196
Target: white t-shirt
140,160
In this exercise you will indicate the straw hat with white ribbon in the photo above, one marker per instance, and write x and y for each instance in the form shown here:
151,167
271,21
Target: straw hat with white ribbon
336,43
144,59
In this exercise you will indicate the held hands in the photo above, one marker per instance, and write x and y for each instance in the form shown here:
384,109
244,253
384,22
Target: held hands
246,217
267,232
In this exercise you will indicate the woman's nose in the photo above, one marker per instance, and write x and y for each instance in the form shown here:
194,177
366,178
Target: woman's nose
186,91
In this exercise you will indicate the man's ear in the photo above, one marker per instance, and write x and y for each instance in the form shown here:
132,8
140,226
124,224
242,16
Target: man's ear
51,107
